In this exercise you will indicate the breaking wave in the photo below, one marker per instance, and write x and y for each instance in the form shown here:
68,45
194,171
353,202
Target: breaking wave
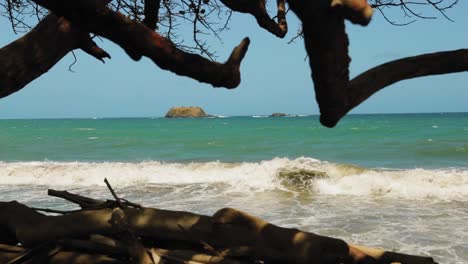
298,175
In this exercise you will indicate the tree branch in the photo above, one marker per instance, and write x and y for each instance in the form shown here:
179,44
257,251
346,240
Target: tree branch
138,40
151,11
257,8
35,53
326,44
366,84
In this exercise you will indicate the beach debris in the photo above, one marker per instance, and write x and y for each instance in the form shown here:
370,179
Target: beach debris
119,231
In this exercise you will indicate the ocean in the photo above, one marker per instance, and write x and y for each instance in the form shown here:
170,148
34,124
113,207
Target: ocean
396,181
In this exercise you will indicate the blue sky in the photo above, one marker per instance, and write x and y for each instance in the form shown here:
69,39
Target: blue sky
275,76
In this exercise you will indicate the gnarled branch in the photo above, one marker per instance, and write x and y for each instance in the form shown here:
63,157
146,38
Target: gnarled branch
326,43
138,40
366,84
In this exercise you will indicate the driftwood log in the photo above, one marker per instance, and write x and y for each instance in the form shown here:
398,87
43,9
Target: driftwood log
118,231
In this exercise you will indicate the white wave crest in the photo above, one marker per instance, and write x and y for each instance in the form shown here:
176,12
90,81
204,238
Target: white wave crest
446,184
298,175
253,176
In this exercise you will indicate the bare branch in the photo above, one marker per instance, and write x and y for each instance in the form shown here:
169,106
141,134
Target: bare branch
415,8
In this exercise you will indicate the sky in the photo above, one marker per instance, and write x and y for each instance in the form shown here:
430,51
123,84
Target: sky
275,75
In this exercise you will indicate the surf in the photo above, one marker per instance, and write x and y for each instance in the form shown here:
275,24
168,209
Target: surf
302,175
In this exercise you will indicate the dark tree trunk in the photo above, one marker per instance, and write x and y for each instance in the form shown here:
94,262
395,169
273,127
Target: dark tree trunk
326,44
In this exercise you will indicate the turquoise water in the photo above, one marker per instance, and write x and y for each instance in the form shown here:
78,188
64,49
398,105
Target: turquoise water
391,141
398,182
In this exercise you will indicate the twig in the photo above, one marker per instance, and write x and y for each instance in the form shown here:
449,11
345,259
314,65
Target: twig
132,204
117,199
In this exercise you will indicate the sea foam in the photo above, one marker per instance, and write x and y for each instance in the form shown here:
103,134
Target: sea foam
298,175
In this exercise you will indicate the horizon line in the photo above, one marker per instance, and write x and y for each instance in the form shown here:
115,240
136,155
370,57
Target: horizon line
224,116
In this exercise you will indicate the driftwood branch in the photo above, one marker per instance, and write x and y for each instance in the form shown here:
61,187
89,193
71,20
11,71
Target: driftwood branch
162,236
117,199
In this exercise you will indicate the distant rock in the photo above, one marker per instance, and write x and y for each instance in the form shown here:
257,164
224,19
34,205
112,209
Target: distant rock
277,115
186,112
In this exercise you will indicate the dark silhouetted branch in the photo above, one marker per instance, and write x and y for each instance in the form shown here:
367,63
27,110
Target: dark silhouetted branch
151,11
257,8
366,84
326,44
138,40
35,53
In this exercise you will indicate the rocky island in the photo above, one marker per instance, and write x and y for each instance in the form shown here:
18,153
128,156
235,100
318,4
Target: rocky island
277,115
186,112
